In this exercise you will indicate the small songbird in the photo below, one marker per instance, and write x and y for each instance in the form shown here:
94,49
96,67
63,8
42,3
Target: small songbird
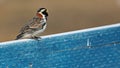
35,27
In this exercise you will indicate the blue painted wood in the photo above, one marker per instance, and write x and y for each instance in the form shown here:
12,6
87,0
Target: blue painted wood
89,48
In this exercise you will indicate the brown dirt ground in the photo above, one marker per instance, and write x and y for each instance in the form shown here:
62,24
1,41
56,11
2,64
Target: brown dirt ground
64,15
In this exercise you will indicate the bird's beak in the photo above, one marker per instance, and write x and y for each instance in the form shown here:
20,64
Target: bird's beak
47,11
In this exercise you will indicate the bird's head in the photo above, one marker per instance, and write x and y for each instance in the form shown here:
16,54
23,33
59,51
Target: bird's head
42,12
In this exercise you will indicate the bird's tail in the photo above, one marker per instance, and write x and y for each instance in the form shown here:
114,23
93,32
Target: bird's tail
19,36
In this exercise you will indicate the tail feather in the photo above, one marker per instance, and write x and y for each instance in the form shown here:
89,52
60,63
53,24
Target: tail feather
19,36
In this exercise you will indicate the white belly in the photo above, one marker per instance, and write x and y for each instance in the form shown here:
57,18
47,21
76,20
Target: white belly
38,32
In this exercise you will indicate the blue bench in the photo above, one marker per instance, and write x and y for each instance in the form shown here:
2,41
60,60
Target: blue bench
89,48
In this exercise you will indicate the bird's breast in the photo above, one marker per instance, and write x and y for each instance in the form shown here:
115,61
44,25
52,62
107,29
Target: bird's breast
39,31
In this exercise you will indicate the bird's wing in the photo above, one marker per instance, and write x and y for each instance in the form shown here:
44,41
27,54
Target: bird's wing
32,25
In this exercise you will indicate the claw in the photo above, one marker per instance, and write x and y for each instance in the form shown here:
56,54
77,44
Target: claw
36,38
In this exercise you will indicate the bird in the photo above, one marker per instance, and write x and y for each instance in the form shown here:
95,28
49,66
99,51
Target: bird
35,27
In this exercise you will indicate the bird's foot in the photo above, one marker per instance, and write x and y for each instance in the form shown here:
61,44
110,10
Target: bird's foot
36,38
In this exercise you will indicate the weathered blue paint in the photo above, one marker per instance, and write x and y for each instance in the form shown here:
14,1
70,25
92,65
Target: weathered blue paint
90,48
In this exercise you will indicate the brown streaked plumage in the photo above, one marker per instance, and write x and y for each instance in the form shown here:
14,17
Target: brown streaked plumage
35,27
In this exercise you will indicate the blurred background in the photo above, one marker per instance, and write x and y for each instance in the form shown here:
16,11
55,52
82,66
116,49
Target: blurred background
64,15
